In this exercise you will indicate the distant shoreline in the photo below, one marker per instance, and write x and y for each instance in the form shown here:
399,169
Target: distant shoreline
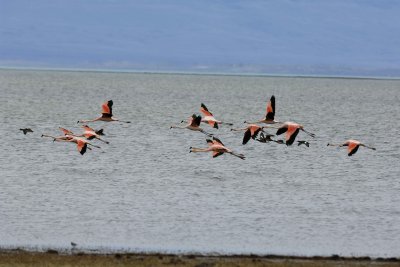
20,257
267,75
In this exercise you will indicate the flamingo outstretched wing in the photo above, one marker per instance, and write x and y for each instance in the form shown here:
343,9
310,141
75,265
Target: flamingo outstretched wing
246,137
209,142
217,141
107,109
216,154
352,148
87,128
204,110
82,146
195,120
270,115
291,135
66,131
282,130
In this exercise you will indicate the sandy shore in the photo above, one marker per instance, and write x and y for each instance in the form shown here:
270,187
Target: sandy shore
52,258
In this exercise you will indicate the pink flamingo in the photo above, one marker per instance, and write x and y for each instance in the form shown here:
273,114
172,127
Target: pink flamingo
291,129
90,134
209,118
106,114
82,144
352,146
270,114
67,135
217,147
251,131
193,124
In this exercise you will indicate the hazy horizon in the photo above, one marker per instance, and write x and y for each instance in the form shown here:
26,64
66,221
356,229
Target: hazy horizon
339,38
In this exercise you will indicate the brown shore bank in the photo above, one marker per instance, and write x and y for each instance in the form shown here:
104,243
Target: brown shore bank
20,258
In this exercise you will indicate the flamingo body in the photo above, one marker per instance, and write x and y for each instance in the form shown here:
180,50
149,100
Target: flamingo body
209,117
270,113
106,114
352,146
217,148
291,129
193,124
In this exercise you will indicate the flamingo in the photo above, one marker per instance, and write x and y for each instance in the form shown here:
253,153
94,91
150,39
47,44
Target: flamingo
67,135
82,144
352,146
90,134
270,114
217,147
193,124
209,118
291,129
106,114
251,131
26,130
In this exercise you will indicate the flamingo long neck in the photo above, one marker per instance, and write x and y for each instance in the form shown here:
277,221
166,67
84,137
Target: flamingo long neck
86,121
254,122
195,149
329,144
178,127
239,129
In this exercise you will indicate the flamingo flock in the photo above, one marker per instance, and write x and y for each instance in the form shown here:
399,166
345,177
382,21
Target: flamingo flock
81,140
256,132
252,131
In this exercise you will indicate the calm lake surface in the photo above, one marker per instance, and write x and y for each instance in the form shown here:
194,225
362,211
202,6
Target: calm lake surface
145,192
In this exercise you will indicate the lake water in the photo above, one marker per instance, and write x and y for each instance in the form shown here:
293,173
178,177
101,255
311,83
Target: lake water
145,192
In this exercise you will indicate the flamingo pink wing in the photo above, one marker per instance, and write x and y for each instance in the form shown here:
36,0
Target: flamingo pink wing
204,110
65,131
216,154
107,109
271,109
87,128
217,141
291,129
352,147
254,129
82,146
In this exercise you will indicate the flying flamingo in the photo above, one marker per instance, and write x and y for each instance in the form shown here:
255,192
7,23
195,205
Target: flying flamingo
106,114
209,118
352,146
291,129
82,144
67,135
217,147
251,131
193,124
270,114
90,134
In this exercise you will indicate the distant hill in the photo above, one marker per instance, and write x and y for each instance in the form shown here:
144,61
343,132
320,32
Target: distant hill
340,37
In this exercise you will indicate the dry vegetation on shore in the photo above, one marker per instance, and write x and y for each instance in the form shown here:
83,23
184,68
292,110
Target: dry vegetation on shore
20,258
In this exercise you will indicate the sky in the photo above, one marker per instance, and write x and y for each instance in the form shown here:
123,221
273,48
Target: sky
332,37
